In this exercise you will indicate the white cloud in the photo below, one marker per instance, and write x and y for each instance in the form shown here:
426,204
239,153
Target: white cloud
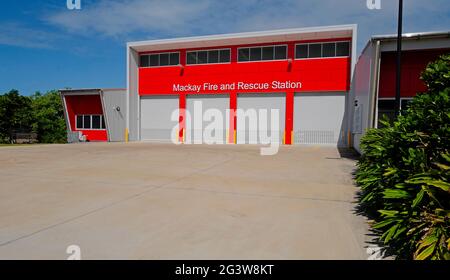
118,18
19,35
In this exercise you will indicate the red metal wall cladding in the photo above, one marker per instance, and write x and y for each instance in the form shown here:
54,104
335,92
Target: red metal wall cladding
325,74
89,105
413,63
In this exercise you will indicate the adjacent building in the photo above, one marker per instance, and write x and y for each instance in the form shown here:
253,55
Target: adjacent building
94,114
373,85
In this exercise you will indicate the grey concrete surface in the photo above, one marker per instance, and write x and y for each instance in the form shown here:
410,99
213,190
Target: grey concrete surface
164,201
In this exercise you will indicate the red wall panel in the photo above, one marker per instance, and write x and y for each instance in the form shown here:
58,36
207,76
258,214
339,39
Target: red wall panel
413,63
327,74
85,105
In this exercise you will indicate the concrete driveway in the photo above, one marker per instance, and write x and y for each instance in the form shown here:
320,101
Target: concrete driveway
163,201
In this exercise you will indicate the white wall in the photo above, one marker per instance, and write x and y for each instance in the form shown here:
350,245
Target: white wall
361,88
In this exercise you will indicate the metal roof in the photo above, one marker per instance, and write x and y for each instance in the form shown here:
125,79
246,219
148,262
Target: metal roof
88,90
415,35
309,33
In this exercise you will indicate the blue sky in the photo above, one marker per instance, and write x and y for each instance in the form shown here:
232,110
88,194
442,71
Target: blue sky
45,46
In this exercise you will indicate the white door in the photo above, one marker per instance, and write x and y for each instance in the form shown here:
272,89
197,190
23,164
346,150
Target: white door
319,118
157,121
209,118
255,119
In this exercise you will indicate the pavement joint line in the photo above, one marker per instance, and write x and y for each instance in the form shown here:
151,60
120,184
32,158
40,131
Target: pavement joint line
109,205
263,195
77,217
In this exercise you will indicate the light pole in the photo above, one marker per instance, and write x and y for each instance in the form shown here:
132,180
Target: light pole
399,58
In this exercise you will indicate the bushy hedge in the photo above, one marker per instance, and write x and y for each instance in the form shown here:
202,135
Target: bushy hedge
404,173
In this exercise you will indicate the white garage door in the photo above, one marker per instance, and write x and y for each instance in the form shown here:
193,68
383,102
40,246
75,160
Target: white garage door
254,118
318,118
211,117
156,123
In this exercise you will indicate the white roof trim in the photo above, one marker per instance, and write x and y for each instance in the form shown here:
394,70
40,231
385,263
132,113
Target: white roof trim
160,44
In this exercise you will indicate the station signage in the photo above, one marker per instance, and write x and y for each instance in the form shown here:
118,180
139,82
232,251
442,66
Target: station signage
240,86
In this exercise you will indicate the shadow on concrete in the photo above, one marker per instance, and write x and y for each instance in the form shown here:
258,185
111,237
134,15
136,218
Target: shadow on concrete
348,153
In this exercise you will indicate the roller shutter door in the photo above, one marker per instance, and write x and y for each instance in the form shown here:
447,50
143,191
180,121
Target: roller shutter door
318,118
221,104
248,133
156,123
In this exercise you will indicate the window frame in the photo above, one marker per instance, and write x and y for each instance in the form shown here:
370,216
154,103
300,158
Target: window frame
321,43
261,47
90,118
207,56
393,98
402,99
159,59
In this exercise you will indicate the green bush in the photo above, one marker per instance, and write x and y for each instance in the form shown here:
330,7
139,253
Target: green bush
48,114
404,173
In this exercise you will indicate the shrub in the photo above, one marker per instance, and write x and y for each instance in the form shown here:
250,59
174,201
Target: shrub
404,173
48,116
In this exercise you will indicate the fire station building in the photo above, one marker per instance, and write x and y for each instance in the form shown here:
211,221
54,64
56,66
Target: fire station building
304,73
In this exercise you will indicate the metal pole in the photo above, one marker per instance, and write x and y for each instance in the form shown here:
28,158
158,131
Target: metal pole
399,58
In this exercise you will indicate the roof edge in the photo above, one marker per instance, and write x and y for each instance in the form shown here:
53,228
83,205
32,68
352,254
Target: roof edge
243,35
413,35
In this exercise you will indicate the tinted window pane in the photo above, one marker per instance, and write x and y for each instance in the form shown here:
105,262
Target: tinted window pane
96,122
191,58
164,59
224,55
280,52
87,122
202,57
79,122
342,49
386,104
386,108
154,60
329,49
267,53
255,54
404,103
315,50
144,61
174,58
213,56
301,51
103,123
243,55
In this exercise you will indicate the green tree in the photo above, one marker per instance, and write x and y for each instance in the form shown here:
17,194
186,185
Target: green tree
15,114
48,117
